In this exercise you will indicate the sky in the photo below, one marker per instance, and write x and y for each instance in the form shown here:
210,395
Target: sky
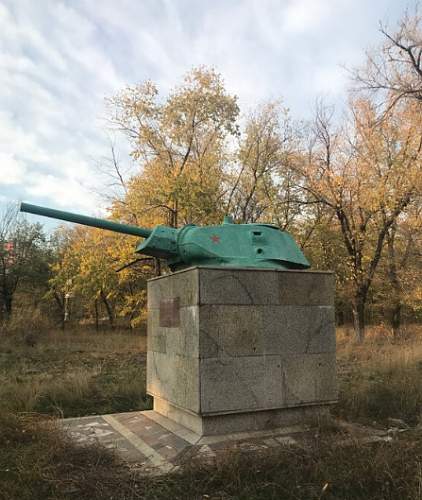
60,59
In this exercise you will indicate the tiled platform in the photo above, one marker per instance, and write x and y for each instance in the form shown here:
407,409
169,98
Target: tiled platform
151,442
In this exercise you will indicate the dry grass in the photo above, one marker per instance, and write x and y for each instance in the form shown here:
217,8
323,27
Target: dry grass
37,462
381,378
77,373
73,373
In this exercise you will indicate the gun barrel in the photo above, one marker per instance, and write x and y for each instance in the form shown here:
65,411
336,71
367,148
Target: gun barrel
85,220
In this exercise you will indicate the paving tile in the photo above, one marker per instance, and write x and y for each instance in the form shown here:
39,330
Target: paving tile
168,452
286,440
173,441
152,448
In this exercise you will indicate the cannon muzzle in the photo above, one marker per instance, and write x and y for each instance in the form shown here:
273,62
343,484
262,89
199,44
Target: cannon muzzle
86,220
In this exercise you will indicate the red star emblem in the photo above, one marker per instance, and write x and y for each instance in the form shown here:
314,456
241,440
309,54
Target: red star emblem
215,238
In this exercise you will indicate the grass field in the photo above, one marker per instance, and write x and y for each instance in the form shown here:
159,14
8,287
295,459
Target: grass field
73,374
380,379
82,373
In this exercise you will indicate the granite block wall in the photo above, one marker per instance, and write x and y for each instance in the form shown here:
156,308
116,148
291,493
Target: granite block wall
225,341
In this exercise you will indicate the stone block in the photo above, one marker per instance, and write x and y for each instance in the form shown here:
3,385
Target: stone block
306,288
264,286
264,330
263,420
237,287
309,379
212,425
240,384
298,329
249,383
182,285
181,340
156,338
190,420
174,378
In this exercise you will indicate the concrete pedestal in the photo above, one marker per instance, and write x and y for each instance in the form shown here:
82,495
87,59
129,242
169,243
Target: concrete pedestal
232,350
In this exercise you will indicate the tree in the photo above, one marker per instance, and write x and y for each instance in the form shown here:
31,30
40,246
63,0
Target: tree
24,258
398,284
64,267
87,270
261,186
344,190
366,173
394,69
179,143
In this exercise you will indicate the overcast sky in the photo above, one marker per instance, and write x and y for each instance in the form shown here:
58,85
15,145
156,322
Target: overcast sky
59,60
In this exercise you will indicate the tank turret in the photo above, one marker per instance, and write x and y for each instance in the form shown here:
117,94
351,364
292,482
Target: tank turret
227,245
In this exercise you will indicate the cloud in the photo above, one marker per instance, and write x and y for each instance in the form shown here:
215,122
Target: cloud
51,186
59,59
304,15
13,169
53,82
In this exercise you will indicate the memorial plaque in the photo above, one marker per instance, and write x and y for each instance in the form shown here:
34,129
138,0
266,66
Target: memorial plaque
170,313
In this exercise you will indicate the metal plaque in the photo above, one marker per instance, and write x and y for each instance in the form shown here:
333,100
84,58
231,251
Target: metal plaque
170,312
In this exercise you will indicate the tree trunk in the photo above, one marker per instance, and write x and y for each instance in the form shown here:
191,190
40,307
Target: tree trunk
396,318
60,304
1,309
96,314
108,309
396,306
157,266
359,316
340,317
8,302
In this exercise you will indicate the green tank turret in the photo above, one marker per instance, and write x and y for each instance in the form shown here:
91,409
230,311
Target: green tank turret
227,245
